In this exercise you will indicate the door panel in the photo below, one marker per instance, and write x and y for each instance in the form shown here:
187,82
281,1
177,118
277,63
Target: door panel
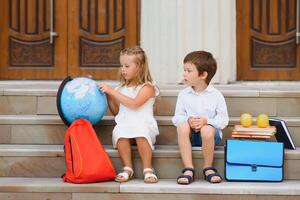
26,52
91,34
99,30
266,40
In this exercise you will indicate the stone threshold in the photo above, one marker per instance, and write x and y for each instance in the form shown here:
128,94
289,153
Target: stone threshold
164,186
49,88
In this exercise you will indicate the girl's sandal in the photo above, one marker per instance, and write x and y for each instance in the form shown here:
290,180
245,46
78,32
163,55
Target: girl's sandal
125,175
149,174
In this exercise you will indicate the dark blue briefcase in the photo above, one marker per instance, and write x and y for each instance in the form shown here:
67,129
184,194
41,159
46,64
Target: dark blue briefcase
254,161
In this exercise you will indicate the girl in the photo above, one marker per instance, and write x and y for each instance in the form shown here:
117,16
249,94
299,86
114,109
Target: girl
132,104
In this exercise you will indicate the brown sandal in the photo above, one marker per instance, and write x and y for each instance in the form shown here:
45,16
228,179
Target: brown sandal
188,177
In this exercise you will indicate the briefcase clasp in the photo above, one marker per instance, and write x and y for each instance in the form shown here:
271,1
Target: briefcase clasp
254,167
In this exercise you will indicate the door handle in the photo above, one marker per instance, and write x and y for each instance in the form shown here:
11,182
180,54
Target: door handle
52,33
297,22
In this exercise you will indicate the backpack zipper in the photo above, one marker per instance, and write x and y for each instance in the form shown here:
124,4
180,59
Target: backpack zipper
71,153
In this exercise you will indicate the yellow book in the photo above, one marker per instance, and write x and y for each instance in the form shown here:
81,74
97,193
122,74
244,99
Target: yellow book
240,128
252,133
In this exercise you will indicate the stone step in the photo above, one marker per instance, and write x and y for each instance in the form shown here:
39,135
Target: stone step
49,129
283,101
49,161
53,188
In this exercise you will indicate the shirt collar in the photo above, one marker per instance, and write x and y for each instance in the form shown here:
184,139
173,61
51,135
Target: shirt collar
191,90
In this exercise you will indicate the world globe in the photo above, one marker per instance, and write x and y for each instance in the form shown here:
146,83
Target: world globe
80,98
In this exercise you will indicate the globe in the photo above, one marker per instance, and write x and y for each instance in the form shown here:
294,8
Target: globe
81,98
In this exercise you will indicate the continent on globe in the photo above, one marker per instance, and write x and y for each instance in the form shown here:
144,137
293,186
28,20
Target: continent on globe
80,98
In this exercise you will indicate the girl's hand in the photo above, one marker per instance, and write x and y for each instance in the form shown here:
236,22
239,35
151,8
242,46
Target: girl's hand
105,88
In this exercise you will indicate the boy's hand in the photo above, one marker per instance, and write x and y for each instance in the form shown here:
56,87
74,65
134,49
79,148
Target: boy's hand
196,123
105,88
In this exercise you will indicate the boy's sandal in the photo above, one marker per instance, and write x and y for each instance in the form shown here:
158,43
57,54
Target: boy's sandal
148,174
188,177
209,176
125,175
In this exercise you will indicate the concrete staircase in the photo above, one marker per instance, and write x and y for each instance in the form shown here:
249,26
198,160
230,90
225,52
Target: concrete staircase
32,157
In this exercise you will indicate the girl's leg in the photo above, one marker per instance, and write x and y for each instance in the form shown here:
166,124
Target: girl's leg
145,153
208,147
185,148
124,149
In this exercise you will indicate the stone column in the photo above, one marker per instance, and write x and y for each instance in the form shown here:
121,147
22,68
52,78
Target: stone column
172,28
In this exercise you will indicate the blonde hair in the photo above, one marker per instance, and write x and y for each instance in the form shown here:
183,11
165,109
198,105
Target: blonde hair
141,61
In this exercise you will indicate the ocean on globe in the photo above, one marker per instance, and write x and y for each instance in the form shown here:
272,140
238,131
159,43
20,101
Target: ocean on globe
81,98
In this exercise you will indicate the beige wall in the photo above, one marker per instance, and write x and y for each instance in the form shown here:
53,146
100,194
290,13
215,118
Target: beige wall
172,28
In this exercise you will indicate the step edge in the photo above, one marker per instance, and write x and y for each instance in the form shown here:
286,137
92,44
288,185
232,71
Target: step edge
202,187
164,186
161,151
42,92
107,120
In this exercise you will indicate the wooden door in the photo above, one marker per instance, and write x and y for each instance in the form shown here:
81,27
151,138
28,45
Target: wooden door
25,49
98,30
266,40
91,34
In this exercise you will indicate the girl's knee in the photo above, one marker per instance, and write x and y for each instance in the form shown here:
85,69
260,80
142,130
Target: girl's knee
123,141
141,140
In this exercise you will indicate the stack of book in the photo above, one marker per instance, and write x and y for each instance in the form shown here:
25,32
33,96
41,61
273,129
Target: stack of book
253,132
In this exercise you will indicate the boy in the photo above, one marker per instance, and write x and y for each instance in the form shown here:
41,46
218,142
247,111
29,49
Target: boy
200,115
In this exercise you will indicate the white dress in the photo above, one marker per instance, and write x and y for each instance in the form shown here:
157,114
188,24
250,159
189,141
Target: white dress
139,122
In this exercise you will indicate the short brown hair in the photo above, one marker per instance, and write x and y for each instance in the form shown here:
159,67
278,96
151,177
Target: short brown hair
204,62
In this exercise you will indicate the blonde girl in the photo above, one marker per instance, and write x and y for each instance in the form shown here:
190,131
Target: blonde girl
132,104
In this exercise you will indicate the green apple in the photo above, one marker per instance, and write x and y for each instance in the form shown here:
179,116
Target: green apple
262,120
246,120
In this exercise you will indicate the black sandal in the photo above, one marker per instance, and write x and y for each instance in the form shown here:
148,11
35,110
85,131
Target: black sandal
209,176
188,177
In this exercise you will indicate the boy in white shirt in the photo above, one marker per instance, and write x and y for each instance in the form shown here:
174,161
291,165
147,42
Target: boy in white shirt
200,115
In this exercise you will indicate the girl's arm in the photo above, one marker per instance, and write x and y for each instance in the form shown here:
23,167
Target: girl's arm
144,94
113,105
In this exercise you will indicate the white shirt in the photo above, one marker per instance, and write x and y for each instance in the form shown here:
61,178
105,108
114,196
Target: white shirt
210,104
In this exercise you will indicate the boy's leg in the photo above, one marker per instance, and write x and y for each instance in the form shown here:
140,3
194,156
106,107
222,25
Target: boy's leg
185,147
145,153
124,149
208,146
184,143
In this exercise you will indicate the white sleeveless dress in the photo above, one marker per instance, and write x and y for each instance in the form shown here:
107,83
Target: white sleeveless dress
133,123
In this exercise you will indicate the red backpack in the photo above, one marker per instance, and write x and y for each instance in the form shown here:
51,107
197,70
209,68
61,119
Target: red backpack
86,159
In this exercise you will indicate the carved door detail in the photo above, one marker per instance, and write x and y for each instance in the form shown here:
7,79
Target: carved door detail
266,40
99,29
25,49
90,35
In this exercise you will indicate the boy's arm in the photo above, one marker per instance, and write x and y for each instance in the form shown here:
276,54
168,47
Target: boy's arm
180,113
221,119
